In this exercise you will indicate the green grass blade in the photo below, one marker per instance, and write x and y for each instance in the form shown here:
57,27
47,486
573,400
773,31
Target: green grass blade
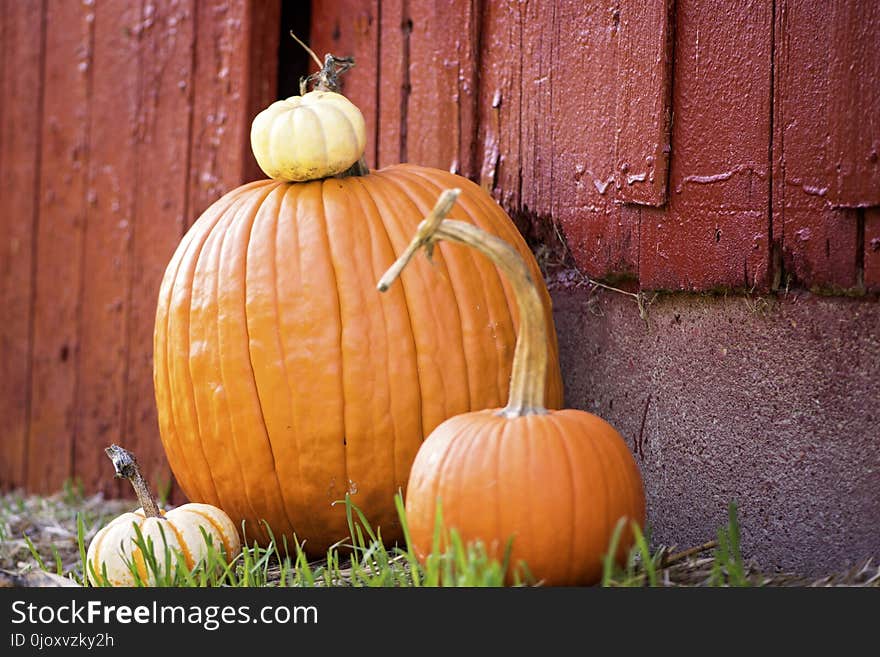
609,562
412,560
59,565
81,546
34,553
647,559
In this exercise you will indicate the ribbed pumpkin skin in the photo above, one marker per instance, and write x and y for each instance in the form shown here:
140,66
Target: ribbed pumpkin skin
557,483
283,379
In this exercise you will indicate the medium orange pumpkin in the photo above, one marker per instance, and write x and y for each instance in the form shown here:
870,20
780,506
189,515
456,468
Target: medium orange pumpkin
283,381
556,482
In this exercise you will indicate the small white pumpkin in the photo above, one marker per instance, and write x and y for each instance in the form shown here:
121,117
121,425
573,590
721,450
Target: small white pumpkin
308,137
115,546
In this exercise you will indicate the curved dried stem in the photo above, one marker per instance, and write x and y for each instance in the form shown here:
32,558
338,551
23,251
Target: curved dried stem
126,467
327,79
529,371
311,52
424,237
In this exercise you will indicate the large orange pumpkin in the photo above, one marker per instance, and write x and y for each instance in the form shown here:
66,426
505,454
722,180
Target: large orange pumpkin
555,482
284,381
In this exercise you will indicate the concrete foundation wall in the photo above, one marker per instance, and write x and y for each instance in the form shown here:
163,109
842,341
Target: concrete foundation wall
770,402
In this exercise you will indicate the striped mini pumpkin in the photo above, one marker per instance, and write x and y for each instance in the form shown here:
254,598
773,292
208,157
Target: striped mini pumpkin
115,550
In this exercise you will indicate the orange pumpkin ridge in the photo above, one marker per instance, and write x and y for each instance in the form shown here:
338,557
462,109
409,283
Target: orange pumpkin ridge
203,488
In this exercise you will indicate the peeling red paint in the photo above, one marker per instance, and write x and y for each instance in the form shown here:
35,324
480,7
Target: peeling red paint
803,169
773,127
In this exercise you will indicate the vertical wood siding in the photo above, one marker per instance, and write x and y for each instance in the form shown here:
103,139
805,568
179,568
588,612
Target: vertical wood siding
680,144
854,78
120,122
21,78
685,144
714,232
816,240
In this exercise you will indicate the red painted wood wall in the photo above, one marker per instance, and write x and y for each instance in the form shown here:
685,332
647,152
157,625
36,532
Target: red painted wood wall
678,144
120,122
685,144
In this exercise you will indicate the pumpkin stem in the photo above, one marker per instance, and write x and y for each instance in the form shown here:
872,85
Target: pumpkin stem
311,52
327,79
126,466
529,371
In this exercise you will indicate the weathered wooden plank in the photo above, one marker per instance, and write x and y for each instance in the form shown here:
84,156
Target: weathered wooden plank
515,159
416,76
166,102
441,118
714,230
816,242
570,119
644,65
540,34
350,28
214,65
261,74
602,235
214,166
112,175
5,17
854,117
222,113
500,102
872,250
395,29
21,44
62,215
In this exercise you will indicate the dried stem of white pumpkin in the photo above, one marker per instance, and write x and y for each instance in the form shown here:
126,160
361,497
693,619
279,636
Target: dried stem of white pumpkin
126,466
311,52
529,371
327,77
